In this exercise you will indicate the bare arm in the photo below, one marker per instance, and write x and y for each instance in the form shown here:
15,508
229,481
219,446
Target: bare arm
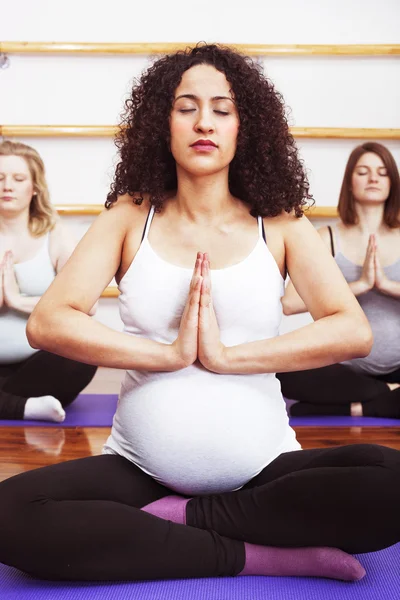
340,330
62,244
292,302
391,288
60,322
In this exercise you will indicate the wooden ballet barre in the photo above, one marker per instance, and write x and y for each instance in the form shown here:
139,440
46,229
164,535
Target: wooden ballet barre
58,130
350,133
79,209
315,212
110,292
167,47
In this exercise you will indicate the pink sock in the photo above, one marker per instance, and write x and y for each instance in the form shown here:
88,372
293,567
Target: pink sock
170,508
301,562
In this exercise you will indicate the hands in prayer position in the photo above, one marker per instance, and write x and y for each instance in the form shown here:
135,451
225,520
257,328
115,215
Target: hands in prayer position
199,335
373,275
9,289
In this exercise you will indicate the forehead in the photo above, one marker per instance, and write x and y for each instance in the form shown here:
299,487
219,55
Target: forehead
203,81
370,159
14,164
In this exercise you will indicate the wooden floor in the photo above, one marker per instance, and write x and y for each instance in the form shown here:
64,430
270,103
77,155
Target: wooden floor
25,448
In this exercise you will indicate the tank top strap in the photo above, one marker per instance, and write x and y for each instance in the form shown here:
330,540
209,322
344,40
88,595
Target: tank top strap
261,229
148,223
336,239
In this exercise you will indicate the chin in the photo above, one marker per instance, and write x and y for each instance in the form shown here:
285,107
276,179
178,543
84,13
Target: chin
202,168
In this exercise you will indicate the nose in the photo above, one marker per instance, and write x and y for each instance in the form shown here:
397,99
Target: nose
373,176
7,184
205,123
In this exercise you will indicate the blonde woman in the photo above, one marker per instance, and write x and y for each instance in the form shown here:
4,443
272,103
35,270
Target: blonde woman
34,246
366,247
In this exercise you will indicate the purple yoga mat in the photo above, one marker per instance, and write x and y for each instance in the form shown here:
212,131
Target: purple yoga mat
337,421
88,410
382,582
97,410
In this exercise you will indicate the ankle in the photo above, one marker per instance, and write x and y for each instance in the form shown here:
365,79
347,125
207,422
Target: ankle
356,409
171,508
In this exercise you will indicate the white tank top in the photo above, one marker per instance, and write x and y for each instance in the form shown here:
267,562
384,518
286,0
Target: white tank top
192,430
34,277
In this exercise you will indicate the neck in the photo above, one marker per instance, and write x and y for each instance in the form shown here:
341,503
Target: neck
204,200
14,224
370,218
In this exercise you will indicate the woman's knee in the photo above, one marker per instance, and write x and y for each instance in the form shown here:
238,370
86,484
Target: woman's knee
369,454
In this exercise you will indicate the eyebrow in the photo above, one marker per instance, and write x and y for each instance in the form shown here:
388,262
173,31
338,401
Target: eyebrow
15,174
194,97
368,167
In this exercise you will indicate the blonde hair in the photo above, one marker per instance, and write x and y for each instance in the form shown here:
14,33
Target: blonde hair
42,214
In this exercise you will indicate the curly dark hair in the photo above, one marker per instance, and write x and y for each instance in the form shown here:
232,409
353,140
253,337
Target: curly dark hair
266,171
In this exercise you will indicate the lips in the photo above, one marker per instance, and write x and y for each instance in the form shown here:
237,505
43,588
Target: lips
204,143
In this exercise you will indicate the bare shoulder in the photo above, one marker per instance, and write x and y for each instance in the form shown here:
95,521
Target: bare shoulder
276,230
325,234
61,233
121,217
61,244
287,225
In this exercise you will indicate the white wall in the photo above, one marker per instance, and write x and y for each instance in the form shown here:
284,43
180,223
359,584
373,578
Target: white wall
319,91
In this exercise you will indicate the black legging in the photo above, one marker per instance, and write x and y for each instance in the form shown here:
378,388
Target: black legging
331,390
42,374
80,520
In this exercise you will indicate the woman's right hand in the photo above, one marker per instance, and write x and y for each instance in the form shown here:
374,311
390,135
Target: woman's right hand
185,345
367,278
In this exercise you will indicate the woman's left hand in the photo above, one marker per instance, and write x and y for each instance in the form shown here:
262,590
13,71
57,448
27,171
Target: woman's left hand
11,291
380,277
211,351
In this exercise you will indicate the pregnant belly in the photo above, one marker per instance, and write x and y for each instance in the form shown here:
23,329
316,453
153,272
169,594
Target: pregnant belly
209,438
14,345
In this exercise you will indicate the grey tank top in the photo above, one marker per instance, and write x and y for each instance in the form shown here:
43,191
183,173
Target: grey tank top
34,277
383,314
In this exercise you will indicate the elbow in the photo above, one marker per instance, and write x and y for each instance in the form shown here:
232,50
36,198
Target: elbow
93,310
33,332
363,340
287,307
38,330
366,341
